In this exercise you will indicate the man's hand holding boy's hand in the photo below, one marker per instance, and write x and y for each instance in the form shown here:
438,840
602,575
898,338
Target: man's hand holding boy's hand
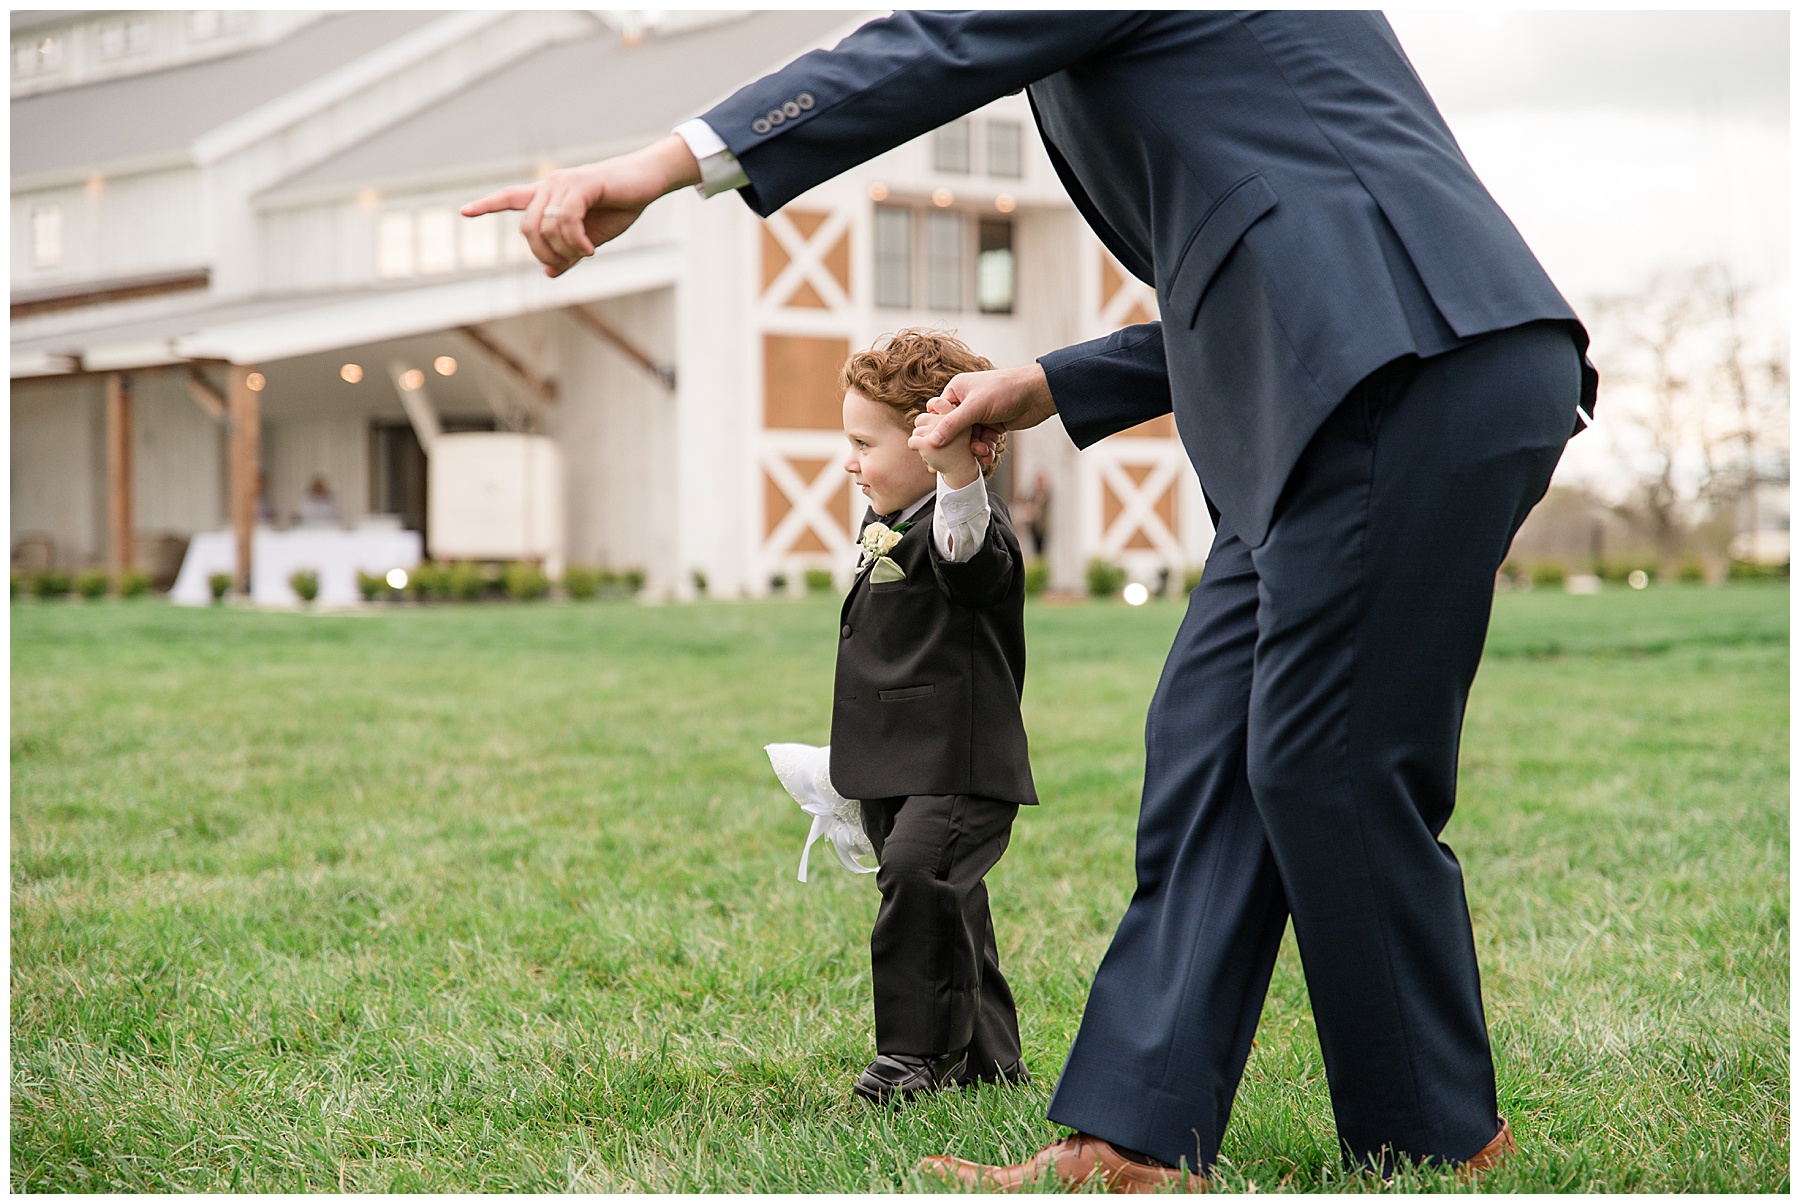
955,461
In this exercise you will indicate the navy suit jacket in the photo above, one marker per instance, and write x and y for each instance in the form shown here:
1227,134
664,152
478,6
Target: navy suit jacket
1282,178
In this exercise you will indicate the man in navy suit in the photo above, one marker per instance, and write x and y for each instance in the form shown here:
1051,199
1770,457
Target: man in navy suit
1374,379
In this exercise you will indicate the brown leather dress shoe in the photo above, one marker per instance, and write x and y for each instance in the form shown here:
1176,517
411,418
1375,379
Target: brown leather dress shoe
1074,1160
1490,1155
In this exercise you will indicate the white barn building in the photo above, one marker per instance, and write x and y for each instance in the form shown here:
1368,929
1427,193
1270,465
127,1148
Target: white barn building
237,267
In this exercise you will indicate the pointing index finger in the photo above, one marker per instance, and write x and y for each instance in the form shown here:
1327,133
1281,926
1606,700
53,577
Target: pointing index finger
516,197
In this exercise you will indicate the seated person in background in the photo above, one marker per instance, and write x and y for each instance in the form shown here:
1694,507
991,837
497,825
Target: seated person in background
925,726
318,508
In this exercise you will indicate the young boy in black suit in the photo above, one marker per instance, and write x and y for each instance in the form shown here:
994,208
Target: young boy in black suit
925,725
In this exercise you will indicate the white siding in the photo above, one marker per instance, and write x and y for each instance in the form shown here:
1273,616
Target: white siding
178,459
58,467
616,426
336,446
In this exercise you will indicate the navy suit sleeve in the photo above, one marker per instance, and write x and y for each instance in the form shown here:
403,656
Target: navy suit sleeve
1109,384
889,82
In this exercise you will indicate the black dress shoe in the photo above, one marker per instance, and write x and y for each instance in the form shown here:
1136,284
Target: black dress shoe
1014,1075
893,1077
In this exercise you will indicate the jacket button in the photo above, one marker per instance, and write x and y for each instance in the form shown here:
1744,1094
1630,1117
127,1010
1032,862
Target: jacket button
804,100
760,126
846,631
775,116
791,108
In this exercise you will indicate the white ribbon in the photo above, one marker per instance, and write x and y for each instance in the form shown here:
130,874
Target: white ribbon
806,773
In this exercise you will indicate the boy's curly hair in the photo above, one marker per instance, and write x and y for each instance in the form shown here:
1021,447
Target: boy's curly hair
906,369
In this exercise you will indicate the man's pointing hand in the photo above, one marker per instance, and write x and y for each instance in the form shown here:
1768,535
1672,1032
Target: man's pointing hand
572,211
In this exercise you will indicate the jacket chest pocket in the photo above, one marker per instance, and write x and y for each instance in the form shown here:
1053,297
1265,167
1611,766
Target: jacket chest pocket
886,587
1225,224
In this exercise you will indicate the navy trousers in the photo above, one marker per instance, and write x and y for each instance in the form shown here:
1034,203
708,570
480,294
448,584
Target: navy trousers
1301,760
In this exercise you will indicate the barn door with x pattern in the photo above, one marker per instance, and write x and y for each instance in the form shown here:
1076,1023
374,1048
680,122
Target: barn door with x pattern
805,315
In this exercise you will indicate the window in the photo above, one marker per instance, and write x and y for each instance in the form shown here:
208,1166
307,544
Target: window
994,267
944,261
437,241
394,246
893,257
480,241
1005,149
37,56
46,236
950,147
125,37
203,24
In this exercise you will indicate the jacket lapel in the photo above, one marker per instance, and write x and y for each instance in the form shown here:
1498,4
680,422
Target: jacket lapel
921,520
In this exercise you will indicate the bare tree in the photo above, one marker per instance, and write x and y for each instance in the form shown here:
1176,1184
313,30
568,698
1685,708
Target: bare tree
1695,404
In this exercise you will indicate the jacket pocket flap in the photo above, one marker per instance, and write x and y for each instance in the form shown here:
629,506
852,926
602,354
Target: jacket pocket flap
1224,224
903,694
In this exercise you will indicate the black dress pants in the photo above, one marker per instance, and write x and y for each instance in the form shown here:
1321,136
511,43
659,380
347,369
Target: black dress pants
1301,759
935,965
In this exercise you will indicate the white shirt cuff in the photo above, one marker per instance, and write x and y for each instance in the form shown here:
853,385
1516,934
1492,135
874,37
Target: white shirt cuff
959,525
719,169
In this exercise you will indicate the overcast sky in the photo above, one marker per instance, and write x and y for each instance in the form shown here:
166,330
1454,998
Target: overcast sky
1621,142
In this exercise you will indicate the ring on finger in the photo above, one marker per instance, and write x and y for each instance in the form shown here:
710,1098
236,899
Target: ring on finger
552,211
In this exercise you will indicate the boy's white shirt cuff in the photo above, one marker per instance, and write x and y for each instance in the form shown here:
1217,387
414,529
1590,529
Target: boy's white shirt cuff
719,168
959,525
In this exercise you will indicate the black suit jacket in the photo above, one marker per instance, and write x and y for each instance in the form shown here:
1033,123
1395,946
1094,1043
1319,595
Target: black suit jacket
930,670
1282,178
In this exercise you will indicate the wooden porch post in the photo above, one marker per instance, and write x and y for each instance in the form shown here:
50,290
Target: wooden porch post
245,413
121,544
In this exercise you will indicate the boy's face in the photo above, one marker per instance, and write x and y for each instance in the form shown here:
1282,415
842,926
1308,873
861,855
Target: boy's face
890,474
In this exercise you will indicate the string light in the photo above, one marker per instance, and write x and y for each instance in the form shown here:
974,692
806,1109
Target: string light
351,372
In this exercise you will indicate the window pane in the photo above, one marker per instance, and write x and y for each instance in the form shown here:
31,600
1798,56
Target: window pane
480,238
893,257
437,240
46,236
950,147
394,246
1006,149
943,261
994,268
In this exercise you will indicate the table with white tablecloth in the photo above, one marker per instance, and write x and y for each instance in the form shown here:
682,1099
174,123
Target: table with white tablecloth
335,555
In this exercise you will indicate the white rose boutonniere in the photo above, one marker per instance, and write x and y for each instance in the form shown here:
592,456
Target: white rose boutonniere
878,539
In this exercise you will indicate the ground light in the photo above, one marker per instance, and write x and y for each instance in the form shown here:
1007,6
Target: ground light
396,578
1136,594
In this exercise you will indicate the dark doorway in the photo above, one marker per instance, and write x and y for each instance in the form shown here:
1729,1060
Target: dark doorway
397,474
399,471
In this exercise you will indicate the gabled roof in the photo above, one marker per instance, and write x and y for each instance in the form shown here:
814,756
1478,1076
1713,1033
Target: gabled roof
158,115
591,92
37,18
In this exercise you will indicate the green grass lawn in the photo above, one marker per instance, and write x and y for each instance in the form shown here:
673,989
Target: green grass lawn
502,898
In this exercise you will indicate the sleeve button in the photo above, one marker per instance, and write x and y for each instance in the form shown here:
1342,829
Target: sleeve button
846,631
804,100
791,108
760,126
